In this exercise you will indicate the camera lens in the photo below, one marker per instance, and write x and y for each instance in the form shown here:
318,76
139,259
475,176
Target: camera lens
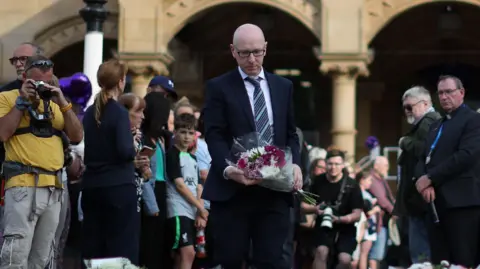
43,91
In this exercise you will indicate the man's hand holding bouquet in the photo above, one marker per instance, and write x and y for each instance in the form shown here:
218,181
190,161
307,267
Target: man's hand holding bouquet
259,163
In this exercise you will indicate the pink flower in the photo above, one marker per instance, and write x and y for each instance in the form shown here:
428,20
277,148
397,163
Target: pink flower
272,157
242,163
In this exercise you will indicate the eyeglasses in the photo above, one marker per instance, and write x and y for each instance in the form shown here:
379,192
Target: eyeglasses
21,59
246,53
320,166
447,92
409,107
334,164
40,64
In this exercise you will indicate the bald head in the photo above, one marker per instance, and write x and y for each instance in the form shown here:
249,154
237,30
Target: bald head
381,165
248,33
249,48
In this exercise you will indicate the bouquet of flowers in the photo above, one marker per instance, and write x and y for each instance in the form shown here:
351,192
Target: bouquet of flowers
442,265
110,263
260,160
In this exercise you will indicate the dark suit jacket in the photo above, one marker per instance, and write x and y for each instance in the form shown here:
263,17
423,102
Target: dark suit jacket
228,115
408,201
13,85
454,167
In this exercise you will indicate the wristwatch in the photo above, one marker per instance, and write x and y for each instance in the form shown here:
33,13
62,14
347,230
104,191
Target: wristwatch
22,103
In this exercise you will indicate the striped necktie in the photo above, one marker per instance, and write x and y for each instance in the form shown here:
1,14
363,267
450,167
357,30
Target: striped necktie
262,122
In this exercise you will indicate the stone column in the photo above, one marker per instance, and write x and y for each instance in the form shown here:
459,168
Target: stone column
344,57
344,112
143,67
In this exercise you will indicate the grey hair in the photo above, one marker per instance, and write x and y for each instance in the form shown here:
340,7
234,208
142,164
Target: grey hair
418,92
38,50
458,82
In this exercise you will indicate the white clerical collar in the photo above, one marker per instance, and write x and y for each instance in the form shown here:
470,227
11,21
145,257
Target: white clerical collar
244,76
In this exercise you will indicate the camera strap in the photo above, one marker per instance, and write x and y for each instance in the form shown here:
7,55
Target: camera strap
40,124
342,192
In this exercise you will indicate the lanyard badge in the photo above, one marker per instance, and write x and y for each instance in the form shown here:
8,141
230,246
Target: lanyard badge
434,145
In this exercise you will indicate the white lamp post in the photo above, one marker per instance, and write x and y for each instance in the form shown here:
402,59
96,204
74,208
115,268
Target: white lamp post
94,14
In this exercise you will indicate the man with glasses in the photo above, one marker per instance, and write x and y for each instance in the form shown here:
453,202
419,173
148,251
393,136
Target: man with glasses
20,56
245,100
417,105
18,60
342,196
32,122
447,176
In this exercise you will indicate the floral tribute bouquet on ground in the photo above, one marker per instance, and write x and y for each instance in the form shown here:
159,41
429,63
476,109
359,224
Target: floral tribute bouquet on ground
442,265
260,160
110,263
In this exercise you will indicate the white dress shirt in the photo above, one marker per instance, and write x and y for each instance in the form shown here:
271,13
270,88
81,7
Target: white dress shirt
265,89
250,91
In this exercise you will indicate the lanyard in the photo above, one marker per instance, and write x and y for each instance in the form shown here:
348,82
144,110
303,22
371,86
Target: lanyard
435,142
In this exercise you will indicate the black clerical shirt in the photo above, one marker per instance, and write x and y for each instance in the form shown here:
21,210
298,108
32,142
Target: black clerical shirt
454,163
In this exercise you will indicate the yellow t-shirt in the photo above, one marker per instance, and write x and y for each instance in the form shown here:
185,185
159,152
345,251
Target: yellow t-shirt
46,153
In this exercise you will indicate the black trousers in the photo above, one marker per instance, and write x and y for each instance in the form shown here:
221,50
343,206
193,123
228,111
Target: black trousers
254,215
456,237
111,223
153,249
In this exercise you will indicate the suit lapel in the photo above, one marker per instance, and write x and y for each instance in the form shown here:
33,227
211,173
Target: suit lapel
275,96
242,97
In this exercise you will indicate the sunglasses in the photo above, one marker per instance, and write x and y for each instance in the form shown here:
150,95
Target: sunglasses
21,59
409,107
40,64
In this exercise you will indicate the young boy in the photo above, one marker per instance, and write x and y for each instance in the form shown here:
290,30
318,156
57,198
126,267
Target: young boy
184,190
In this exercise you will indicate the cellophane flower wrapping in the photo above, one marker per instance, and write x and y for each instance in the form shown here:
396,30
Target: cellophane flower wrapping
260,160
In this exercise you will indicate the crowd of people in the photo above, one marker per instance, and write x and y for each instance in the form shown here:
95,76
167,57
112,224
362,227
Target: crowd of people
146,178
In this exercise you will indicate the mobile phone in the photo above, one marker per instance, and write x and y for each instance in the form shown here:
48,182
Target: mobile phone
147,151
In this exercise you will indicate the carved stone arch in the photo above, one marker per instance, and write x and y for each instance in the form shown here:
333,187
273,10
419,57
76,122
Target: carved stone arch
381,12
70,31
178,13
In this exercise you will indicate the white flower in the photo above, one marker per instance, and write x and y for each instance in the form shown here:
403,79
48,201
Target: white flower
273,162
425,265
110,263
255,151
270,172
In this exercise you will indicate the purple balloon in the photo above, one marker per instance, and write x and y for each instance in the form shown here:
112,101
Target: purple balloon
371,142
78,88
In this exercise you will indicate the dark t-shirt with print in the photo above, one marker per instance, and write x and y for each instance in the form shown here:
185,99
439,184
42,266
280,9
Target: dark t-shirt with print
328,193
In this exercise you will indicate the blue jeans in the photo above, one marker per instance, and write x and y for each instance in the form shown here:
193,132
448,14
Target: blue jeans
418,239
379,247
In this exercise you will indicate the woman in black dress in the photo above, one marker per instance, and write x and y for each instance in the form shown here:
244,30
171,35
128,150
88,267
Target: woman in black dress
111,221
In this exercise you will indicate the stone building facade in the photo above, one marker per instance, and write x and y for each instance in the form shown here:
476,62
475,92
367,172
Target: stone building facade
358,56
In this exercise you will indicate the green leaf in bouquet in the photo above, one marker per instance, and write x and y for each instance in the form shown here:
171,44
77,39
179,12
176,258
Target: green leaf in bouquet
308,197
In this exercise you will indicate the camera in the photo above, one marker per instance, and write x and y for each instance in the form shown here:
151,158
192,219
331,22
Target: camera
43,92
327,218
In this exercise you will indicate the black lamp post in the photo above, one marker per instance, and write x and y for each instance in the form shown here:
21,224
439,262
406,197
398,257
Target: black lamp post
94,14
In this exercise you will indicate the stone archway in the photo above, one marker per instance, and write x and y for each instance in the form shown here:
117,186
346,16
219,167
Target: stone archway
379,13
178,13
71,31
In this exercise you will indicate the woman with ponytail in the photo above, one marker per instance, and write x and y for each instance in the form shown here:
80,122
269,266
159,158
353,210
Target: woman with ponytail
111,222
